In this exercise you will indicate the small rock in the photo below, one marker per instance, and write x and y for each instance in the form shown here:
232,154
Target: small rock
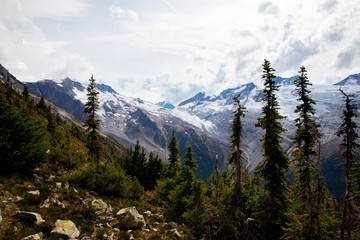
46,203
37,177
146,230
67,228
147,213
51,179
86,238
58,185
38,236
35,192
174,232
173,224
159,217
109,210
67,185
130,218
29,217
99,207
18,199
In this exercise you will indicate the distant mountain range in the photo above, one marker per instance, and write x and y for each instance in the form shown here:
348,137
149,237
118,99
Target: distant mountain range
204,121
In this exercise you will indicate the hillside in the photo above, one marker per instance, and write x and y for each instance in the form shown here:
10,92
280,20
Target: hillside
48,178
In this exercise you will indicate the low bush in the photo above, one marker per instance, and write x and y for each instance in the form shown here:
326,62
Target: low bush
107,180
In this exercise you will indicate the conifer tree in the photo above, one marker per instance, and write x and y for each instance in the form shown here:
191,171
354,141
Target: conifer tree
154,169
188,168
349,144
235,156
183,192
25,93
189,160
23,137
92,122
275,163
308,182
41,104
173,159
135,165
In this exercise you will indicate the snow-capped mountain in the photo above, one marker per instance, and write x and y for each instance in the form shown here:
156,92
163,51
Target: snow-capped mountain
350,80
204,121
130,119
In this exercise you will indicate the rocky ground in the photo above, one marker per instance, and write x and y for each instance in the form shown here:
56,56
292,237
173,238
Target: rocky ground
45,207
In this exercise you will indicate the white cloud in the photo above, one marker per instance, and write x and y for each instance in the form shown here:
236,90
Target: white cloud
118,12
178,47
346,56
268,8
44,8
26,51
71,65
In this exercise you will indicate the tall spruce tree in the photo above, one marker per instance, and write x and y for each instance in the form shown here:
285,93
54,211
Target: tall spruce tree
135,165
180,198
306,138
189,160
275,163
154,170
173,159
92,122
235,156
349,144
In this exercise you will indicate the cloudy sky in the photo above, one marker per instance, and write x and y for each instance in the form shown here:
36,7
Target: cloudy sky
171,49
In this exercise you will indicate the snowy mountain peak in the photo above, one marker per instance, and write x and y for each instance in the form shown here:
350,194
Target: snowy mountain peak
224,98
105,88
166,105
68,83
285,81
198,97
353,79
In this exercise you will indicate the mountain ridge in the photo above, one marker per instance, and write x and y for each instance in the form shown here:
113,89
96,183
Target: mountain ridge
353,79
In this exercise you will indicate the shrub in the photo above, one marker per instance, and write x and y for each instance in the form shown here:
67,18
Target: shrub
107,180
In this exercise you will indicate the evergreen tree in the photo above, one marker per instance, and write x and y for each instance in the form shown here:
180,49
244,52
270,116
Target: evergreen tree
41,104
350,136
275,163
235,156
25,93
92,122
23,139
173,156
154,169
189,160
135,163
182,194
306,137
138,163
